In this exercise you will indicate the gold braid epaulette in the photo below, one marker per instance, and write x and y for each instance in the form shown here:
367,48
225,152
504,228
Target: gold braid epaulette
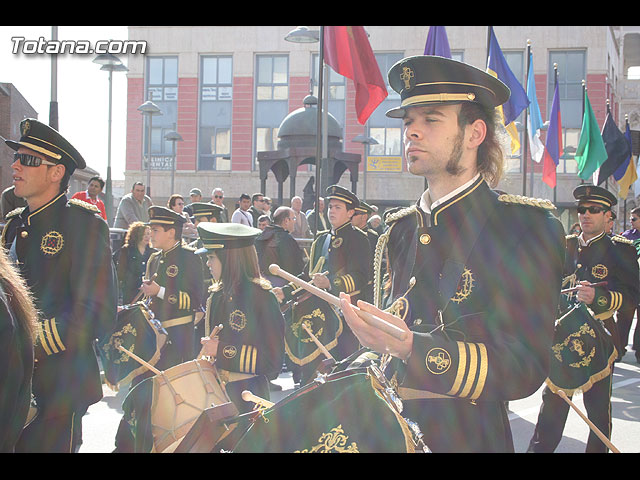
398,214
522,200
14,212
621,239
84,205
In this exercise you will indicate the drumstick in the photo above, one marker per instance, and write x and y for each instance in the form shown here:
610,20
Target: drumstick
378,322
573,289
214,332
139,360
247,396
595,429
318,343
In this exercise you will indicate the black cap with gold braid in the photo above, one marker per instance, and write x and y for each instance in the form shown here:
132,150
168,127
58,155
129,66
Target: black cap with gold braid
209,210
427,79
338,192
592,193
165,216
216,236
43,139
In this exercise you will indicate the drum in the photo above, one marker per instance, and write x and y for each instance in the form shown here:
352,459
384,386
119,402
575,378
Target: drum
346,412
583,352
140,333
179,397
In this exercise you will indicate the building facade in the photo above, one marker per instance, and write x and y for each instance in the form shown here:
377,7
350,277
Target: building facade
226,90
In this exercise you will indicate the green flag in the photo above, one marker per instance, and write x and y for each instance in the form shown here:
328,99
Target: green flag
591,152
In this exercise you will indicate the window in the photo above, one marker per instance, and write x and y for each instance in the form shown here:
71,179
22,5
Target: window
162,88
216,93
336,90
272,100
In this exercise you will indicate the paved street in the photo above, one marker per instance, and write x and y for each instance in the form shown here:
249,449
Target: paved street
101,422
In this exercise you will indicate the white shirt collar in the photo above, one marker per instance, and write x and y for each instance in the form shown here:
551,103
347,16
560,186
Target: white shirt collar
425,200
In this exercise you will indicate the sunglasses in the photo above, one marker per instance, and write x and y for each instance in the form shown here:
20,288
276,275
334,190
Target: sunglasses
29,160
633,219
593,210
218,196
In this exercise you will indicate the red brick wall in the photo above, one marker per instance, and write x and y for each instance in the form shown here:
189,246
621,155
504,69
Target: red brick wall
242,124
135,124
187,149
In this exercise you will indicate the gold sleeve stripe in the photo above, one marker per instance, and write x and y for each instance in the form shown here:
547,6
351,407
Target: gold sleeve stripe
56,335
349,284
462,365
248,358
43,342
484,369
616,300
473,366
185,301
47,331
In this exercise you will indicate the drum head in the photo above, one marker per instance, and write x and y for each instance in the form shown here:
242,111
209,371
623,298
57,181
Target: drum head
344,415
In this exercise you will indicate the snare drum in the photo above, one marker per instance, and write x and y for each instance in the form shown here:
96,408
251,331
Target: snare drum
346,412
179,396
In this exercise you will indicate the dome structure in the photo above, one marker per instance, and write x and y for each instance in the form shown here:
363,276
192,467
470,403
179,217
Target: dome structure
297,146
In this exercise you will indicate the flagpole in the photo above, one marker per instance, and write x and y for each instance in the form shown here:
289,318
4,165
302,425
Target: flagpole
555,187
319,130
526,129
584,93
606,182
626,125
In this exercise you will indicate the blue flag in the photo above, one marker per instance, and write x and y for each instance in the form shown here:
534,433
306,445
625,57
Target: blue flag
618,149
498,67
437,43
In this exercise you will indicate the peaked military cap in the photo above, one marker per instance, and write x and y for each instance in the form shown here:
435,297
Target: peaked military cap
592,193
165,216
338,192
364,207
428,80
43,139
202,209
216,236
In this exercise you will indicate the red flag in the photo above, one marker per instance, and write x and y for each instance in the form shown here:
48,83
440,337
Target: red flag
348,52
553,149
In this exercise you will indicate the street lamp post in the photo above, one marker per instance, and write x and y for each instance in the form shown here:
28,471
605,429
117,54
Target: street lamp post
149,109
304,35
173,137
110,63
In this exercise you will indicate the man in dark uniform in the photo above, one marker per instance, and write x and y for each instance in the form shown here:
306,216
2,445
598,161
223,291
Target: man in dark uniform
360,220
339,261
475,275
175,285
62,249
592,257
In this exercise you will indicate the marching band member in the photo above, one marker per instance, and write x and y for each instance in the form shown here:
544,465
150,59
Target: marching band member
249,349
475,275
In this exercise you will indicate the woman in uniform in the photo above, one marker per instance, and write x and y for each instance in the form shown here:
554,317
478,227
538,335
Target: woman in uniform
249,349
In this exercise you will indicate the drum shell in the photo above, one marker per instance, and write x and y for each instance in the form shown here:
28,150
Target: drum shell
180,395
138,332
347,413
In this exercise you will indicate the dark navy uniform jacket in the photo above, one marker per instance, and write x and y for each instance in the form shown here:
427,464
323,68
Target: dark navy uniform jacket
64,254
179,271
478,280
605,259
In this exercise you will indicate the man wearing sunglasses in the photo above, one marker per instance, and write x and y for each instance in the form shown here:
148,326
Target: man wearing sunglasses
593,257
62,250
217,198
